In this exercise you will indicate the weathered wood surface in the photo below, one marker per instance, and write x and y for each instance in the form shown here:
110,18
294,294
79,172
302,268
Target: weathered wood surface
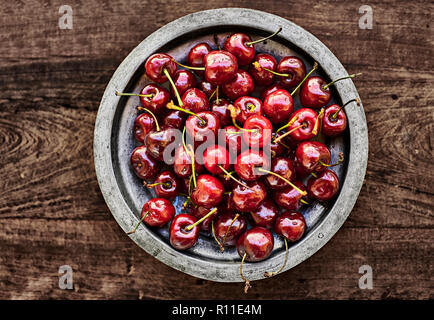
52,212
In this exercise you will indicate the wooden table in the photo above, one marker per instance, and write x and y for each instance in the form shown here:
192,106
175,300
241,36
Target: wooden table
52,212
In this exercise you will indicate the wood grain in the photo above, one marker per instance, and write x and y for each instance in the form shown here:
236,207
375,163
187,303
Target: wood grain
51,209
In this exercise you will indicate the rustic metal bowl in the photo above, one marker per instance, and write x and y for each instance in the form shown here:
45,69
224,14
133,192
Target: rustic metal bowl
114,141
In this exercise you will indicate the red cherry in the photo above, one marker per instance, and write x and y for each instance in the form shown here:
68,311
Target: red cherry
304,125
196,55
208,192
166,185
195,100
215,158
294,67
256,243
206,88
236,44
249,163
222,112
323,187
180,238
266,91
334,121
156,103
278,106
183,80
265,215
175,119
261,76
228,228
290,198
156,64
233,140
246,107
283,167
241,85
312,94
276,148
310,155
257,131
182,163
144,166
220,67
143,124
157,141
200,212
202,126
248,199
291,225
158,211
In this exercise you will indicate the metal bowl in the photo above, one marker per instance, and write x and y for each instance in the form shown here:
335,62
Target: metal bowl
114,141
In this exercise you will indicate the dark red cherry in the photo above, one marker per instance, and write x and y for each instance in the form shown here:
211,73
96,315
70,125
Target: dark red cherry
195,100
233,140
265,215
257,131
257,243
248,199
261,76
180,238
249,163
183,80
200,212
305,126
182,163
143,124
227,206
206,88
246,107
220,67
167,185
222,112
291,225
205,127
159,212
312,93
209,191
159,99
228,229
283,167
324,187
278,106
310,155
289,198
334,121
144,165
294,67
216,157
156,64
175,119
157,141
266,91
196,55
241,85
236,44
276,148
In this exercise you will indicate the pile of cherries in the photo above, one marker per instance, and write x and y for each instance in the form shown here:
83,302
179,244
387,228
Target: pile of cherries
254,178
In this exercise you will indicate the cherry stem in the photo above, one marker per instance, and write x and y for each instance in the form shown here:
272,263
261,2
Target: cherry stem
289,132
270,274
138,224
178,97
335,115
193,173
188,67
315,66
233,112
172,106
304,201
314,175
121,94
191,226
212,94
259,68
152,114
213,234
263,39
343,78
317,122
189,184
247,282
284,179
341,159
228,174
288,124
217,95
222,248
152,185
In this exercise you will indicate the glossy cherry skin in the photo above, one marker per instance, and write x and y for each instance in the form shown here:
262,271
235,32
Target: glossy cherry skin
157,141
156,64
180,238
247,163
199,130
206,88
170,186
283,167
333,126
276,148
247,106
265,215
225,230
312,94
196,55
257,243
143,124
263,77
233,141
182,163
209,191
183,80
248,199
293,66
266,91
289,198
309,154
199,212
222,112
236,44
220,67
263,129
145,167
291,225
160,98
306,117
278,106
227,206
241,85
159,212
324,187
195,100
175,119
215,156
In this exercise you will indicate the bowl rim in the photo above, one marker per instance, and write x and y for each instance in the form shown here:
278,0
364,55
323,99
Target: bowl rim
228,271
